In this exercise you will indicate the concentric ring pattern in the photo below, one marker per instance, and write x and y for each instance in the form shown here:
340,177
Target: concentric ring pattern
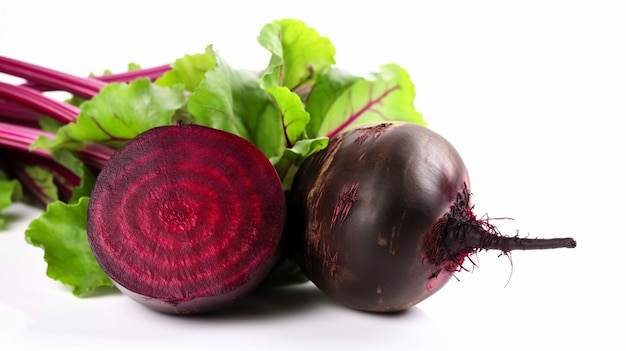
186,211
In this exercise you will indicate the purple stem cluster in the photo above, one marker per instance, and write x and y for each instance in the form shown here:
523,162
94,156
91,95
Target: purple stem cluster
23,105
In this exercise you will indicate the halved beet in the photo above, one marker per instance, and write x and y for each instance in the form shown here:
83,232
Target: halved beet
186,218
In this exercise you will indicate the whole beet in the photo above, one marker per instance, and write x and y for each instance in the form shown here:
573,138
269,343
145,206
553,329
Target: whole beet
381,219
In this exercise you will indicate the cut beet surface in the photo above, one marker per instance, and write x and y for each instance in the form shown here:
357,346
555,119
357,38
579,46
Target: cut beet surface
186,218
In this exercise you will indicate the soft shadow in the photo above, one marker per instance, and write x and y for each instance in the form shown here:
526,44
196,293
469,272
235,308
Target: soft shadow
268,303
102,291
271,303
16,213
395,314
10,218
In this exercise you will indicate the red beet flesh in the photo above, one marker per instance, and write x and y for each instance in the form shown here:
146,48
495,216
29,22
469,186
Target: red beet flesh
381,219
187,219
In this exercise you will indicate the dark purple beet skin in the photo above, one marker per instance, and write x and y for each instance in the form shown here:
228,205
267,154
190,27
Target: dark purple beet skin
381,219
187,219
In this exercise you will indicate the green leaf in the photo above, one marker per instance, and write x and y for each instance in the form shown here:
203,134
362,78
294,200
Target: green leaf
43,181
233,101
293,115
45,143
43,185
121,111
327,91
61,232
133,66
291,159
49,124
189,70
346,102
212,103
78,167
10,191
257,109
299,53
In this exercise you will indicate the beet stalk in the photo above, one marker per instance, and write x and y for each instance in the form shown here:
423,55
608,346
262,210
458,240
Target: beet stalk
186,218
381,218
79,86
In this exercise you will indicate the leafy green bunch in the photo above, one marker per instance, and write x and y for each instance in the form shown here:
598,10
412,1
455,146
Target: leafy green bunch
289,110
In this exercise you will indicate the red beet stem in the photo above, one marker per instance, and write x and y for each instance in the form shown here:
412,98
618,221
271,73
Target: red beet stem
61,111
83,87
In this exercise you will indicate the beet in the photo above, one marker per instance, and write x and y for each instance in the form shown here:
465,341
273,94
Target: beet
186,218
381,219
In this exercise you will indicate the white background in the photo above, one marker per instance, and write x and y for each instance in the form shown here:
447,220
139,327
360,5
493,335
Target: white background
532,94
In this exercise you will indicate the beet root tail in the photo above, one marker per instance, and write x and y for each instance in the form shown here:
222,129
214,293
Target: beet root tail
489,241
459,234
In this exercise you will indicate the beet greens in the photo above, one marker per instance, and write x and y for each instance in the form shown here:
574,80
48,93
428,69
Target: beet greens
56,149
